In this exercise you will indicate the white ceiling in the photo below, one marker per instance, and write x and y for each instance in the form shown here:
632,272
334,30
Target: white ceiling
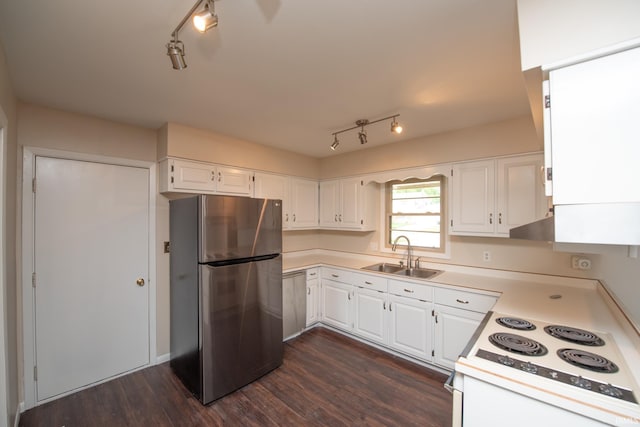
284,73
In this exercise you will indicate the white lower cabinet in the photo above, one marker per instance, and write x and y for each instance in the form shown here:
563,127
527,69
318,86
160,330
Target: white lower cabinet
337,304
313,289
371,315
410,326
421,320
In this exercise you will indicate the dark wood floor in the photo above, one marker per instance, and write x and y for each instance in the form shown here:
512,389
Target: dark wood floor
326,379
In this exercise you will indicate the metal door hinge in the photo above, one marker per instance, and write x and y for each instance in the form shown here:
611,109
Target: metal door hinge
33,279
452,223
451,172
35,373
549,174
171,168
172,180
433,313
433,353
547,101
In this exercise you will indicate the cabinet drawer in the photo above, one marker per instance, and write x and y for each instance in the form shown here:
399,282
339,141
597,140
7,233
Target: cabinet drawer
312,273
464,300
411,290
336,275
370,282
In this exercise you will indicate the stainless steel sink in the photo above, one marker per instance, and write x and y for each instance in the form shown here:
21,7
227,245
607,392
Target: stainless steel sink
420,273
383,267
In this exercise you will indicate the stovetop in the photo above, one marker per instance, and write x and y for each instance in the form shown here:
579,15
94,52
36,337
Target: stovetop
589,360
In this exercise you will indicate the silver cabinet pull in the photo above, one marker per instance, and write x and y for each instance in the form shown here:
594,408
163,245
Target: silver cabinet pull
409,290
368,283
335,275
349,296
462,302
312,274
384,305
390,307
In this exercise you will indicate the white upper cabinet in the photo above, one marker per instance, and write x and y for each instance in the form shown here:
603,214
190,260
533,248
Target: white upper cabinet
187,176
489,197
592,134
299,198
303,213
348,204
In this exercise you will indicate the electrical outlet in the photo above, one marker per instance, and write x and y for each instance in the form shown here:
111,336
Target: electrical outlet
580,263
486,256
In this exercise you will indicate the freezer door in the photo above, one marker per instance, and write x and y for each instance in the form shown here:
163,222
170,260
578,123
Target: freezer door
241,324
239,227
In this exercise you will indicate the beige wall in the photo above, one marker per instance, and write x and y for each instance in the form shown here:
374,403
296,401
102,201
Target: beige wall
198,144
8,106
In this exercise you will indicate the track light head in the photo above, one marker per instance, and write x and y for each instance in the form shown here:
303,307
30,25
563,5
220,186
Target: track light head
395,126
175,51
207,19
362,136
335,143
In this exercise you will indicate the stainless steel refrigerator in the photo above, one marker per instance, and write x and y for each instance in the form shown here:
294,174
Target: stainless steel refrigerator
226,292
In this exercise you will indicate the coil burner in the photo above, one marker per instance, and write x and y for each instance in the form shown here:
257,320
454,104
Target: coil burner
517,344
586,360
574,335
515,323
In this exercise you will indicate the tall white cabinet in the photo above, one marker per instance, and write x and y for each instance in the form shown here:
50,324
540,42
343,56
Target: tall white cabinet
489,197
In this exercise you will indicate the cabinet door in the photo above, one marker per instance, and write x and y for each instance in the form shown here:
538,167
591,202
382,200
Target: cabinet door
453,330
410,326
520,198
336,304
371,315
194,176
312,302
233,181
350,215
594,130
270,186
304,204
472,197
329,204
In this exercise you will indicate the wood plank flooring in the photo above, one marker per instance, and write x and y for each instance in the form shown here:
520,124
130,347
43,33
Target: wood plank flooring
326,379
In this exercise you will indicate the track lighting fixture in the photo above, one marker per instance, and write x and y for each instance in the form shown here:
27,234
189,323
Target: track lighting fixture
203,21
362,133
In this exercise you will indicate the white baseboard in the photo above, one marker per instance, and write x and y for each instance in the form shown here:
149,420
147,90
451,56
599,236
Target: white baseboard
163,358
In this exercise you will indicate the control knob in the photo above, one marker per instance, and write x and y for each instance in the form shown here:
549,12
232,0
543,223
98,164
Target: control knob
610,390
528,367
581,382
506,360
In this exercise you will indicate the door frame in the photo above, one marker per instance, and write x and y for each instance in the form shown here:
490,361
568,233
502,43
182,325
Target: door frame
28,249
4,384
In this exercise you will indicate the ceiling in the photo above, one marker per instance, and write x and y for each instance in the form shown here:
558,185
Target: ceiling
284,73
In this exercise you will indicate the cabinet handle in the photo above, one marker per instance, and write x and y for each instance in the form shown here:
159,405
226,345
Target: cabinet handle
367,283
335,275
219,176
312,274
409,290
390,307
500,218
490,218
462,302
335,219
340,218
384,305
349,296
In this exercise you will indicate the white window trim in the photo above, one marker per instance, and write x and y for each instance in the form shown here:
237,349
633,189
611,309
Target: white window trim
416,251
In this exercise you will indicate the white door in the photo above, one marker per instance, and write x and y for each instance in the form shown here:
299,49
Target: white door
454,329
91,249
410,329
336,304
371,315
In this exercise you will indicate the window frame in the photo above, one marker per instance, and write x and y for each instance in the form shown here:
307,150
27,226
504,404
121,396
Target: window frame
387,214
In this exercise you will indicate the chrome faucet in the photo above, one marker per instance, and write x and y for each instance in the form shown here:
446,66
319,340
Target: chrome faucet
395,245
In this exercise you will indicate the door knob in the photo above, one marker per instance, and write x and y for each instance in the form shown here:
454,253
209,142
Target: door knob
140,281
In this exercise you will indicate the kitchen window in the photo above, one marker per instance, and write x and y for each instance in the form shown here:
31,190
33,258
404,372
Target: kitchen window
414,209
